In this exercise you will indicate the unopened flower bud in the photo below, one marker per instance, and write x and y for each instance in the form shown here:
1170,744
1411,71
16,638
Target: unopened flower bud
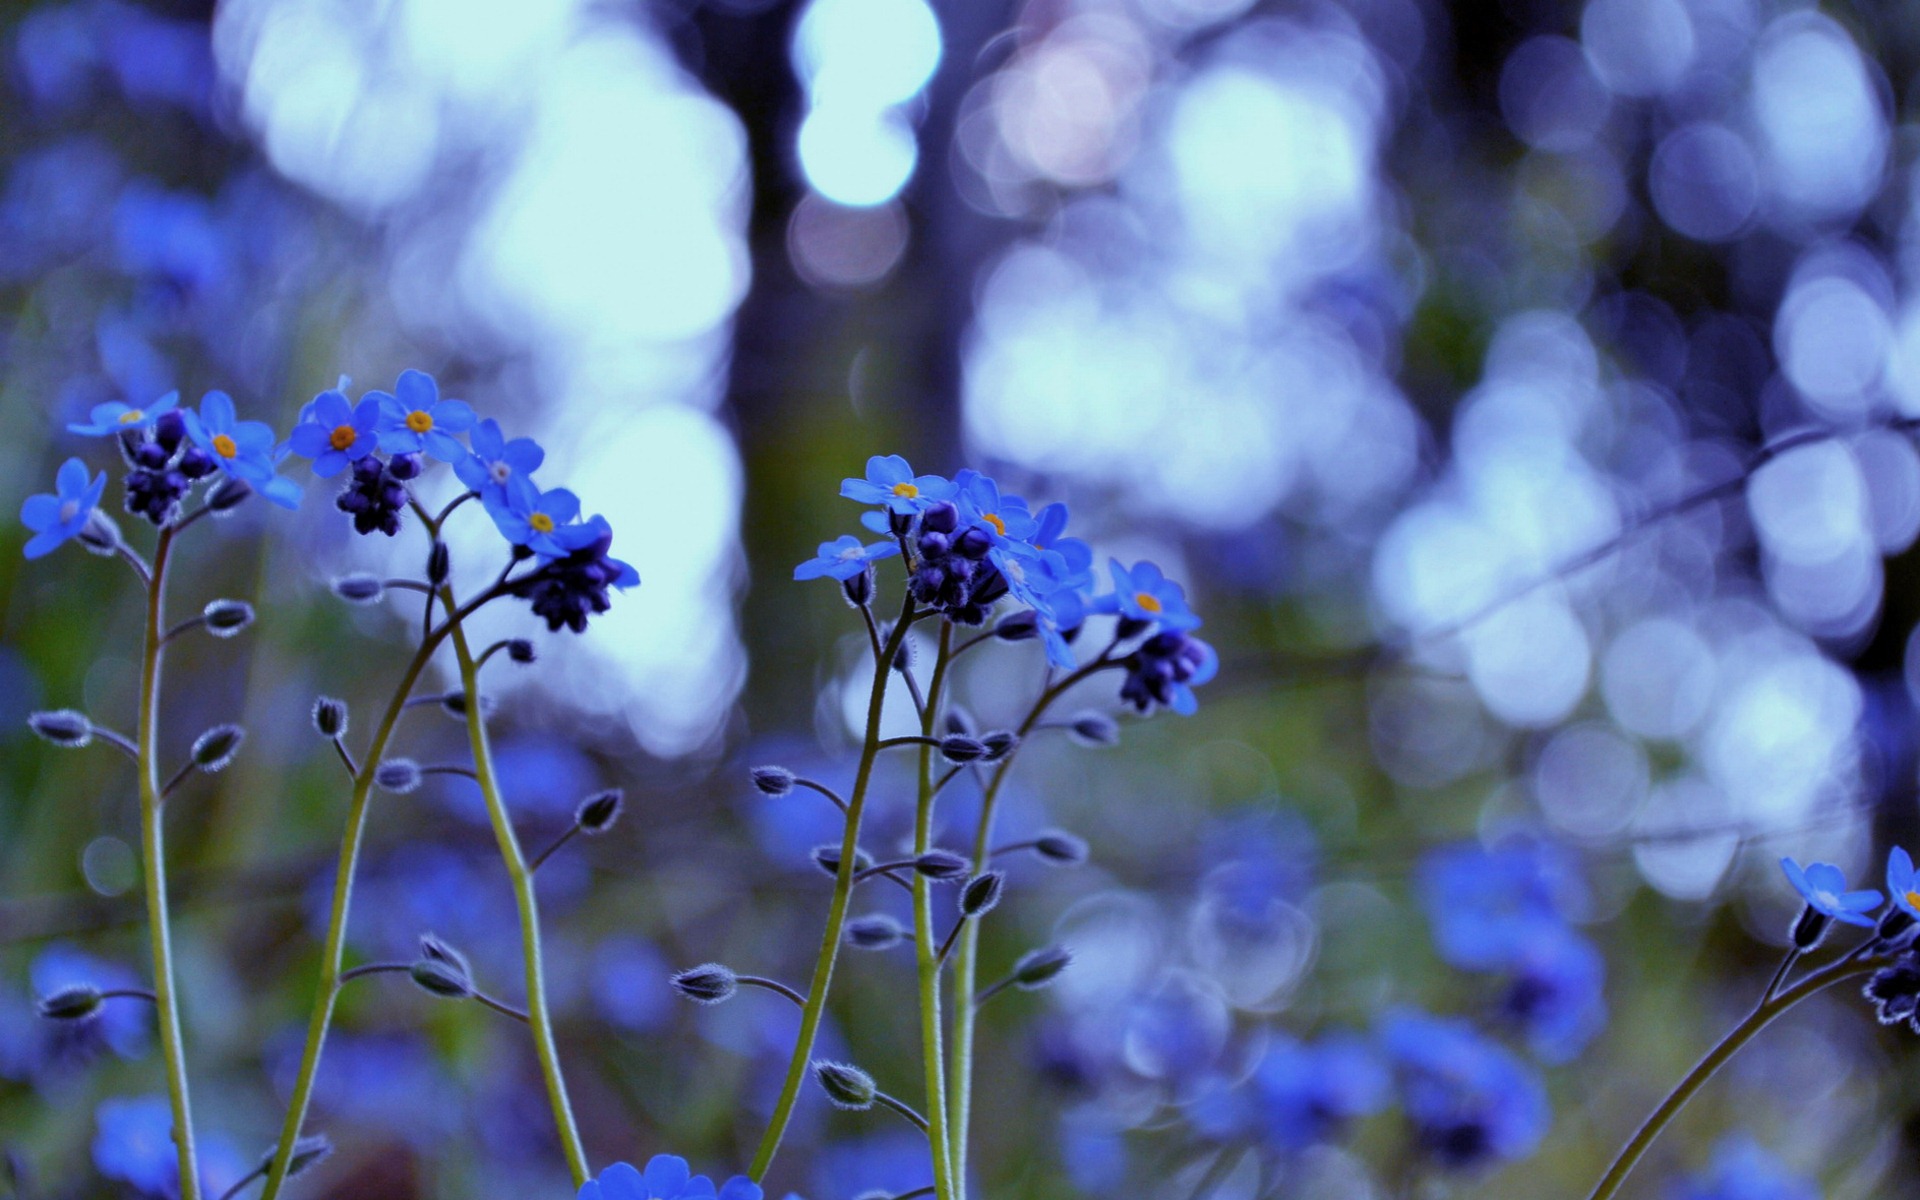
708,983
1094,729
231,494
846,1085
959,748
940,865
215,748
1018,627
225,618
359,589
827,858
454,704
1060,848
1038,968
76,1002
858,589
876,931
1809,928
330,717
520,650
397,775
980,895
439,563
598,812
959,720
100,534
62,727
774,781
442,970
406,466
999,744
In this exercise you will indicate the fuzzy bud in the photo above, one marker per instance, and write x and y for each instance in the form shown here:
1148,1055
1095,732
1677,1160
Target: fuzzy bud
330,717
774,781
708,983
359,589
903,657
231,494
100,535
876,931
439,563
846,1085
442,970
1094,729
520,650
1018,627
1809,928
1060,848
76,1002
454,704
62,727
959,720
225,618
827,858
941,866
1039,968
858,589
397,775
215,748
959,748
999,744
598,812
980,895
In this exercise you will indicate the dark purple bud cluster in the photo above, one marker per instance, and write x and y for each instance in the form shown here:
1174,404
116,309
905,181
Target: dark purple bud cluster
163,467
951,571
376,494
1163,661
567,591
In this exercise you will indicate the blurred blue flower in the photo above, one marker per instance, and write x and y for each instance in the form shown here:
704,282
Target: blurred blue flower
1094,1155
133,1144
1304,1093
58,516
527,516
334,433
1142,592
1824,887
1487,905
1049,533
115,417
1901,884
495,462
630,985
890,481
1742,1170
667,1177
1471,1101
843,558
1556,994
893,1161
414,418
122,1027
170,237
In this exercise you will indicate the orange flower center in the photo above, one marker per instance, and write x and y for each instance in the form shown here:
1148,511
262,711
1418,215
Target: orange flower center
1913,898
1148,601
343,436
906,491
541,522
997,523
132,415
225,446
420,420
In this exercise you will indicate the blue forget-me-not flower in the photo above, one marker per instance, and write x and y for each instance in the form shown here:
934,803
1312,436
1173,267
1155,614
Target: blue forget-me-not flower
667,1177
116,417
59,516
413,419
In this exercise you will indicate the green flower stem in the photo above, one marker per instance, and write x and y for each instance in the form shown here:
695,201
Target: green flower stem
539,1016
153,850
966,965
1851,967
333,951
932,1052
837,908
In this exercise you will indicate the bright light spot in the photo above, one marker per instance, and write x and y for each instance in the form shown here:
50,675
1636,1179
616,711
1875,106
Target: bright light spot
856,156
1833,339
1819,115
1529,661
866,54
1639,47
1704,181
1658,678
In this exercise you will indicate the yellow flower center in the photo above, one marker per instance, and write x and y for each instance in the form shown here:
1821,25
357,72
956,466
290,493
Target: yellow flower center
1913,898
132,415
906,491
997,523
225,446
541,522
343,436
1148,601
420,420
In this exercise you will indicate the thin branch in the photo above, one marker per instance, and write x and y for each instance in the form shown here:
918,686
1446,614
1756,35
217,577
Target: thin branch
823,789
346,758
773,985
544,855
119,741
903,1108
179,777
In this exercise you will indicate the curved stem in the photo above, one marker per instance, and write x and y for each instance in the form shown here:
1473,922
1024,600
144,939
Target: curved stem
966,963
773,985
538,1016
797,1066
932,1050
153,849
1762,1016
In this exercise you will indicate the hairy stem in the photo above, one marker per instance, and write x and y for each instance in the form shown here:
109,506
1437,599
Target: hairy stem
153,850
797,1067
1850,967
932,1051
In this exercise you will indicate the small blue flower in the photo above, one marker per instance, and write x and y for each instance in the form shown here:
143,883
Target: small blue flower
334,433
495,461
59,516
1901,884
890,481
527,516
1824,887
1049,533
114,417
1007,518
1741,1170
843,558
667,1177
243,449
414,419
1556,994
1143,593
568,590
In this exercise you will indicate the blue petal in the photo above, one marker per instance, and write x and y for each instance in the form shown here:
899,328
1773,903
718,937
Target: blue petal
621,1182
216,409
40,512
487,440
416,390
667,1174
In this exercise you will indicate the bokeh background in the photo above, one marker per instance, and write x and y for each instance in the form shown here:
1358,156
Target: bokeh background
1434,346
